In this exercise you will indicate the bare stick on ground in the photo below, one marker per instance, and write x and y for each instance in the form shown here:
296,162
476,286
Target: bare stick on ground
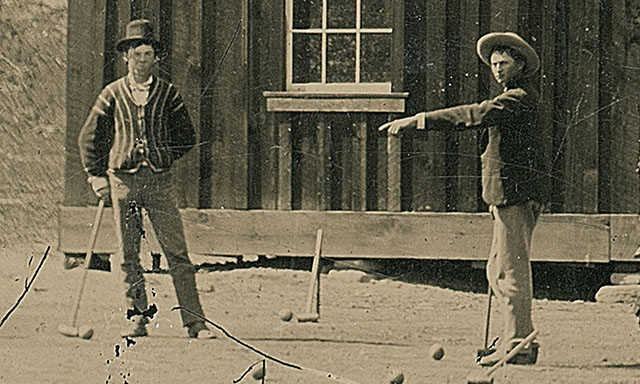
27,286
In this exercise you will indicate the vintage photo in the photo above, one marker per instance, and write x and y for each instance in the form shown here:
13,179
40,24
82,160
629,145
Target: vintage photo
320,191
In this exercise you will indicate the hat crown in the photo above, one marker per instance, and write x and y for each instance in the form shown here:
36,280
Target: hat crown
140,29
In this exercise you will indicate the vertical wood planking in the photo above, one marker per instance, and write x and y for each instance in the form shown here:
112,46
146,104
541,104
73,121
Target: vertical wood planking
468,157
581,152
285,152
306,168
269,52
432,180
85,78
359,159
229,120
323,180
381,167
186,48
393,173
123,15
625,114
547,105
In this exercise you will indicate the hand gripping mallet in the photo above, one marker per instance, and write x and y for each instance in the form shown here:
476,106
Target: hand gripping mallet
72,330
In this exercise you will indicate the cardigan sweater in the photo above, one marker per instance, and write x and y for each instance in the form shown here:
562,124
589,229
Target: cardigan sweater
120,135
512,171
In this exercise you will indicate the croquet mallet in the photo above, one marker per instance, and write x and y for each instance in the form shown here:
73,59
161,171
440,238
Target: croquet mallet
313,294
72,330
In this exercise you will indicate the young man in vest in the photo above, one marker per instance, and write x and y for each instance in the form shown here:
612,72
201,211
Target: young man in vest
135,131
512,178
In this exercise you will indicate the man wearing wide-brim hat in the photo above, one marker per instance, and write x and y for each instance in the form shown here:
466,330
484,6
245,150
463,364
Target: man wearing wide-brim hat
138,127
512,178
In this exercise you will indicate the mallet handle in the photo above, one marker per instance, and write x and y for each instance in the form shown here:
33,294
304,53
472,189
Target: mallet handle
87,260
314,284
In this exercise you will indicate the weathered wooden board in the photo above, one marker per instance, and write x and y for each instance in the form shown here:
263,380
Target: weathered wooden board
468,180
581,129
186,73
625,111
429,178
229,115
625,237
450,236
85,79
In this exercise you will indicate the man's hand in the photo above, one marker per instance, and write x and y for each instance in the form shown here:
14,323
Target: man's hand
100,186
395,126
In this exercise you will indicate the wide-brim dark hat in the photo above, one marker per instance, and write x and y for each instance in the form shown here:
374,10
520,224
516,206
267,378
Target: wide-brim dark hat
509,39
139,31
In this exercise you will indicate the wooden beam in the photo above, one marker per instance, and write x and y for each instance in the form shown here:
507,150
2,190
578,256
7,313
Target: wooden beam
441,236
85,79
359,162
394,154
339,104
625,237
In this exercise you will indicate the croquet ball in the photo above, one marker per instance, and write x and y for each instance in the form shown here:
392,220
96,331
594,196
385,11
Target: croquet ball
285,315
258,373
436,351
85,332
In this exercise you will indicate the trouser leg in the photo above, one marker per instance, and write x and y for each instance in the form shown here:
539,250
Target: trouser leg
128,221
509,267
167,224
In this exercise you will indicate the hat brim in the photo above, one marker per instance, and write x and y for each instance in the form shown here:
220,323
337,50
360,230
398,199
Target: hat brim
123,44
487,42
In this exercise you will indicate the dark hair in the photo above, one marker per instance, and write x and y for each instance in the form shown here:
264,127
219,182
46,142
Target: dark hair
514,53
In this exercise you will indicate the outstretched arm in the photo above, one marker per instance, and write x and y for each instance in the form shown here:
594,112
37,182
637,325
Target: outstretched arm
502,108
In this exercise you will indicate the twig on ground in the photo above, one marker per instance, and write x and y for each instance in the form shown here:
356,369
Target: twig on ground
27,286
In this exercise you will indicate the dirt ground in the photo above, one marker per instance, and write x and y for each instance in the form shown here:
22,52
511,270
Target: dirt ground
369,328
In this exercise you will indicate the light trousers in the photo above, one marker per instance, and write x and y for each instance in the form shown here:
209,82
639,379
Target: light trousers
509,266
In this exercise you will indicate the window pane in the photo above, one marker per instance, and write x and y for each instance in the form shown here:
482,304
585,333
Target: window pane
341,13
375,58
376,14
341,58
307,14
307,55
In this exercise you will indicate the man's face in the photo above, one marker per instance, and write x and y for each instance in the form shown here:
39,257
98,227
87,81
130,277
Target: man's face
504,67
140,61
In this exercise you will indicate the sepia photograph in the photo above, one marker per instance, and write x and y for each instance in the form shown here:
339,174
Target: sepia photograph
320,191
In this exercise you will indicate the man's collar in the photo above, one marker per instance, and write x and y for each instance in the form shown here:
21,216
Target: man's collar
133,82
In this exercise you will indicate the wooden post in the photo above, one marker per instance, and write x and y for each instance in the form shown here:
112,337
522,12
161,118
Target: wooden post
393,173
359,161
313,294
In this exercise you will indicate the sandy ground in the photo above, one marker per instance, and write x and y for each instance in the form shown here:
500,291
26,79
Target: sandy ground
369,328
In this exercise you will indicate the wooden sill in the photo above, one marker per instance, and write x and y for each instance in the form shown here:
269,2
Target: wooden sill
392,102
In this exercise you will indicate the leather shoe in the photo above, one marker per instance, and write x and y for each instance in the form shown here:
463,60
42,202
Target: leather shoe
200,331
526,356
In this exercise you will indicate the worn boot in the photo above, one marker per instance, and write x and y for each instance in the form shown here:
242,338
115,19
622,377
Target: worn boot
199,330
526,356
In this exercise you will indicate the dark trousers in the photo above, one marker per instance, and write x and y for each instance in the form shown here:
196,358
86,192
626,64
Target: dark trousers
130,192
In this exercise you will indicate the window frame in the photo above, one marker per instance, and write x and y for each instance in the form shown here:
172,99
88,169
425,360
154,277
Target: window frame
349,87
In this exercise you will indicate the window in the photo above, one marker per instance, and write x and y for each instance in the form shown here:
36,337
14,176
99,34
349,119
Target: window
339,46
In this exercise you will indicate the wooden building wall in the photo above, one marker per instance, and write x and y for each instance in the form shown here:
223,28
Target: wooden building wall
224,54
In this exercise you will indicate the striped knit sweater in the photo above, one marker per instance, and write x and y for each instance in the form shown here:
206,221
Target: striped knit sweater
119,135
